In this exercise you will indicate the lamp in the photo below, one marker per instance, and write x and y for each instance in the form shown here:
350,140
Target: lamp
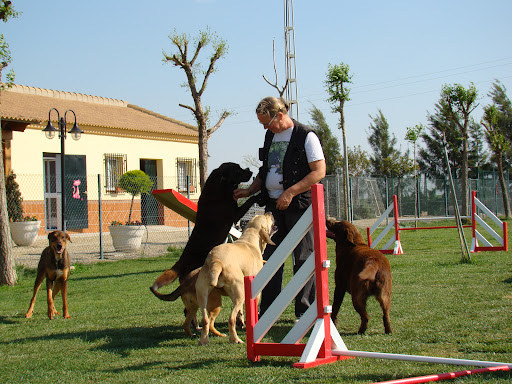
50,132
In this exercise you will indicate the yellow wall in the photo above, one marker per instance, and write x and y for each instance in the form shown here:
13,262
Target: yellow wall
28,147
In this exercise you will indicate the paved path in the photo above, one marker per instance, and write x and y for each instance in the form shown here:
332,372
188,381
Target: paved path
85,248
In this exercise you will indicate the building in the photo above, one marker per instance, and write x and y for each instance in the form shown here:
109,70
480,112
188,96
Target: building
117,137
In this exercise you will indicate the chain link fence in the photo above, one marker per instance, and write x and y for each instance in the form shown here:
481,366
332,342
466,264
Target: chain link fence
417,197
90,209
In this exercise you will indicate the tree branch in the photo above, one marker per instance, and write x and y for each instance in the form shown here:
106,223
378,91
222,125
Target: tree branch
223,117
281,92
187,107
198,48
210,70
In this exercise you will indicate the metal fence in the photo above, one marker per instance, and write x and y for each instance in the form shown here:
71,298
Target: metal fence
421,196
90,209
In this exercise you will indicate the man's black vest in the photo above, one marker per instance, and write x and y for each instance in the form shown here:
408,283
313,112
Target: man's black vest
295,165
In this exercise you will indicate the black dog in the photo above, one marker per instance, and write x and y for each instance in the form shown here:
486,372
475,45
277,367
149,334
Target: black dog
216,213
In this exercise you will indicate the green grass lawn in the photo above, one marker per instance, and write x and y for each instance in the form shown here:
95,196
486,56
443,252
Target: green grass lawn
120,333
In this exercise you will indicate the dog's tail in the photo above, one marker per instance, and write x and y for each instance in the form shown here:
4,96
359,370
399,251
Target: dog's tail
215,271
369,271
166,278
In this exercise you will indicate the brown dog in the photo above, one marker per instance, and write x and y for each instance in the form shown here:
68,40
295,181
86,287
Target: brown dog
189,298
54,265
360,271
227,265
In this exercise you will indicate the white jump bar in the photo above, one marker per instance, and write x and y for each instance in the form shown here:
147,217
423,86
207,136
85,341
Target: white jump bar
418,358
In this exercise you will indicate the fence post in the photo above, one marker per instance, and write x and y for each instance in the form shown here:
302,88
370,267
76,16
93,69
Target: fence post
446,213
188,197
350,200
100,217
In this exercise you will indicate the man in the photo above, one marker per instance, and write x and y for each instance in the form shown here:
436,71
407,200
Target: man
293,161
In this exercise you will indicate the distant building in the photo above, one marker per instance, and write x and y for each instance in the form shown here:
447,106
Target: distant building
117,137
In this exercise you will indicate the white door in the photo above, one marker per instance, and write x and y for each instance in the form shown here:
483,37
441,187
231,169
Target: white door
52,195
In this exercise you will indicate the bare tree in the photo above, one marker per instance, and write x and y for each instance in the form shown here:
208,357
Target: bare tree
275,85
192,68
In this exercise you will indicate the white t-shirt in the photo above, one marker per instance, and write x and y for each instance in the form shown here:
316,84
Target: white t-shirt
274,180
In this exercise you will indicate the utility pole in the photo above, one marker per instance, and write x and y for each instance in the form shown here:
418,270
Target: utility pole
291,66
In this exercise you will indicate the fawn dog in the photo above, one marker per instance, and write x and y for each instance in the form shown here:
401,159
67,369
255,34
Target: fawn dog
54,264
227,265
360,271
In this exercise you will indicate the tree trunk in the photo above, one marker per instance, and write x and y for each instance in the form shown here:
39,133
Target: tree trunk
506,202
203,151
131,207
345,179
346,195
8,274
465,175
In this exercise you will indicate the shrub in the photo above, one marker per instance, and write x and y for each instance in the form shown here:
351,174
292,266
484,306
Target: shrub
15,200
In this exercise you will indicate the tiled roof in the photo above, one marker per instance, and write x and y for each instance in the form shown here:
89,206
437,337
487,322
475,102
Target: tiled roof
102,115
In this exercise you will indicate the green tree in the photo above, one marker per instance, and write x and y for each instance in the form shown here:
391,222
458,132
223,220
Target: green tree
136,183
382,143
412,136
499,144
503,104
8,274
358,161
330,143
431,156
461,102
337,78
186,58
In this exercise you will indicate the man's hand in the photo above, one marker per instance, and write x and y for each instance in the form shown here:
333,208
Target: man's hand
284,200
240,193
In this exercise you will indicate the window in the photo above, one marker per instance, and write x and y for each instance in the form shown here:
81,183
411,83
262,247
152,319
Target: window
115,166
186,167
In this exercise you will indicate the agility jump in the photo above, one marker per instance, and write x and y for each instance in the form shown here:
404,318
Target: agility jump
183,206
476,205
325,344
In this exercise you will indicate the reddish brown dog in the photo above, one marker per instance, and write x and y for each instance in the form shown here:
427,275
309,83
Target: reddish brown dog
360,271
54,264
189,298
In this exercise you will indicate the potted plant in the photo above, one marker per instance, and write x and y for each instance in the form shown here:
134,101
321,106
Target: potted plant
24,229
127,237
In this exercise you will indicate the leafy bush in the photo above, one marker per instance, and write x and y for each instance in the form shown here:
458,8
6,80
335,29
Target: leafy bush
15,200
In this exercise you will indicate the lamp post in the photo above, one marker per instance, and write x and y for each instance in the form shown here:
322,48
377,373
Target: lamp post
75,133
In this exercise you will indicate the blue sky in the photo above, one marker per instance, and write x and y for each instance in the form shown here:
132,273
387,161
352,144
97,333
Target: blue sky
399,52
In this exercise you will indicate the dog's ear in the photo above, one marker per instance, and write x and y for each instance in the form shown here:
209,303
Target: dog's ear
266,236
52,236
350,236
67,237
330,224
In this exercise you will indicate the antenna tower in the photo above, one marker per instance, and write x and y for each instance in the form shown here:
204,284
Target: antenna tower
291,68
